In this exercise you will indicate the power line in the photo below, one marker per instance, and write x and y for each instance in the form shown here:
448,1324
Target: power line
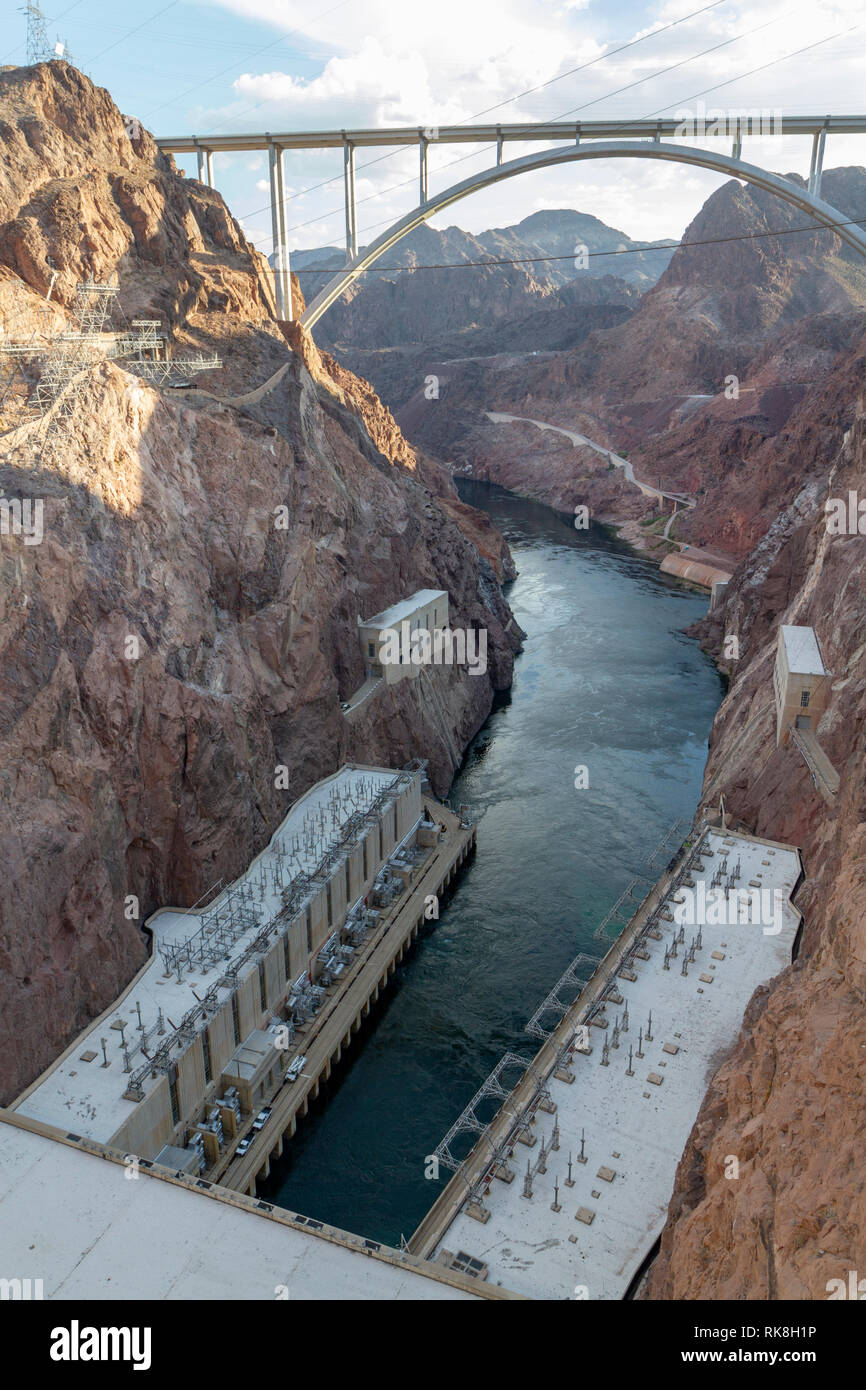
467,119
129,34
618,251
784,57
55,20
606,96
602,57
232,66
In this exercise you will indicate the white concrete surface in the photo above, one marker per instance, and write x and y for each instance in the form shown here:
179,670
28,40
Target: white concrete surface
87,1097
633,1127
75,1221
802,652
393,616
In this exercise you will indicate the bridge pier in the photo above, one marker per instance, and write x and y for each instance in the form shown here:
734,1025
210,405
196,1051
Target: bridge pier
422,172
282,278
349,193
205,167
817,163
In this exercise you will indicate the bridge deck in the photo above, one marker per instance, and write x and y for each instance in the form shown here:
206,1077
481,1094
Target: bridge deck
665,127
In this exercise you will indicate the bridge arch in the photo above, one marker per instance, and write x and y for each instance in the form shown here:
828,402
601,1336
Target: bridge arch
801,198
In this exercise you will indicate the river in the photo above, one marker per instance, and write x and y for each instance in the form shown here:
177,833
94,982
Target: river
606,681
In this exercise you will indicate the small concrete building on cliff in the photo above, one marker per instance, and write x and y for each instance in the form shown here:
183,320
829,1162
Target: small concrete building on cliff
426,609
800,681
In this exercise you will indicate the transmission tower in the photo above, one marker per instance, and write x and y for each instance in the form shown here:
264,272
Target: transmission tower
66,360
39,49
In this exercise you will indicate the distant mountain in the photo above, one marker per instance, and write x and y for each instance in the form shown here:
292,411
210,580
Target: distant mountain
562,231
389,308
755,298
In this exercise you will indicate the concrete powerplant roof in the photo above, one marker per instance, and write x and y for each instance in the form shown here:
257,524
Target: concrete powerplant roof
802,652
70,1218
78,1092
391,617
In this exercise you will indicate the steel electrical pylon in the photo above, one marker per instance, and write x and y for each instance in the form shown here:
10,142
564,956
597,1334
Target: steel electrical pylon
38,48
68,358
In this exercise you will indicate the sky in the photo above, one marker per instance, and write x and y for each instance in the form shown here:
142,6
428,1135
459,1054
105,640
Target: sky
204,66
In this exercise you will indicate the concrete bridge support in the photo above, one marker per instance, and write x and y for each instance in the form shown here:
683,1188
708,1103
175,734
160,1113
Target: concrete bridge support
282,277
817,164
349,190
422,172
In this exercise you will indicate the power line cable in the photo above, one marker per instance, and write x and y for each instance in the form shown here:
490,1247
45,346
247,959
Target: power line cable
602,57
233,66
476,153
129,34
468,119
617,251
783,58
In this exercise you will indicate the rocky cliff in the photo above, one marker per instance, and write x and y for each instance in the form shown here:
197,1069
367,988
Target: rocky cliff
187,626
788,1102
702,382
454,299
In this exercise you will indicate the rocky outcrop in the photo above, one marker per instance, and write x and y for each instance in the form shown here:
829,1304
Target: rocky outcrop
788,1102
455,299
187,626
704,383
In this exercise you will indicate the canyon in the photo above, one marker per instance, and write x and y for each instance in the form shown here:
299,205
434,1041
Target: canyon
133,781
145,779
736,378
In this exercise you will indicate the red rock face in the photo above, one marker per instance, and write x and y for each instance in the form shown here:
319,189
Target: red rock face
749,295
145,769
788,1101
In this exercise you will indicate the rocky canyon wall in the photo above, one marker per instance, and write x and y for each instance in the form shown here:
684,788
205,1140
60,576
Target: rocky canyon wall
188,624
788,1102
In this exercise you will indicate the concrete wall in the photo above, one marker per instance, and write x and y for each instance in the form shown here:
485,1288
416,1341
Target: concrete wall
430,615
693,571
389,832
319,918
788,687
371,844
409,808
356,872
149,1127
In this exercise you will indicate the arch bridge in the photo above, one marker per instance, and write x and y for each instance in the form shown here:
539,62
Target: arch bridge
568,142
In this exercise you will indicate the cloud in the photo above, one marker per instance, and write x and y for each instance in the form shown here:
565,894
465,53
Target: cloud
440,64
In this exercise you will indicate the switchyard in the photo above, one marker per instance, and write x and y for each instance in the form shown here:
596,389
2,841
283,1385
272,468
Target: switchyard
43,374
566,1187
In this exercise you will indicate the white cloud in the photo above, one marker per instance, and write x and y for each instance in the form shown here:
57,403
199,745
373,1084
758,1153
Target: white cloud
438,64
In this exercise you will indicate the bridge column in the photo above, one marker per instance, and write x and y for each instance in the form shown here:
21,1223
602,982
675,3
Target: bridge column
499,144
349,190
209,166
817,164
737,147
422,171
283,257
202,175
282,283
